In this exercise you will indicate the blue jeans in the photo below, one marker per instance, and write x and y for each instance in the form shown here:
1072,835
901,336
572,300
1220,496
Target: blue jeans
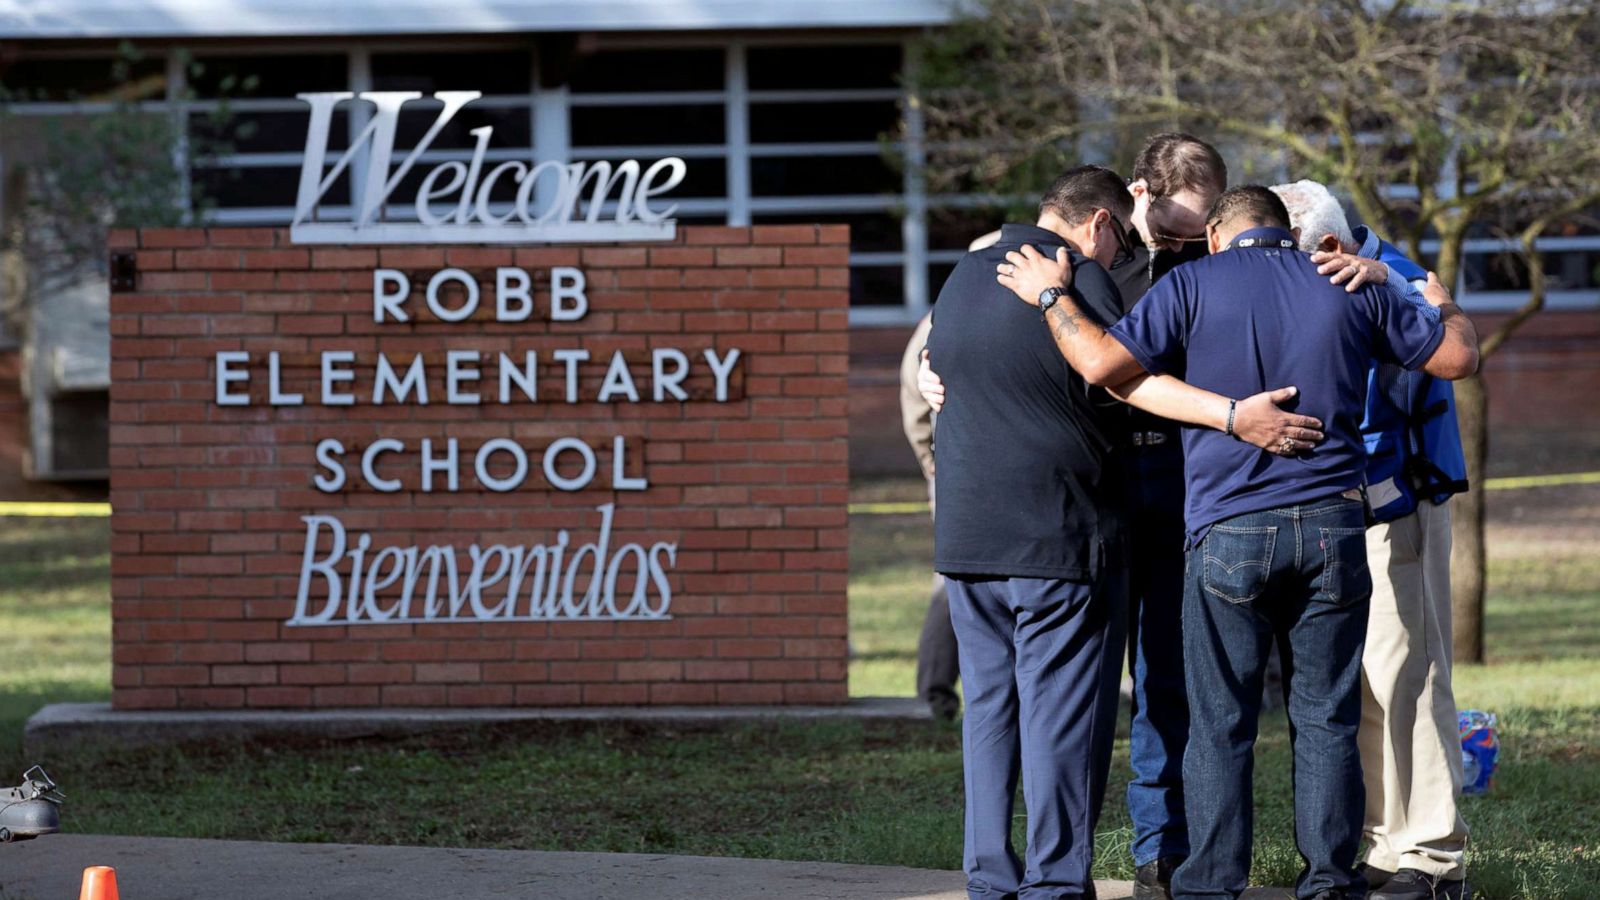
1160,720
1298,573
1040,660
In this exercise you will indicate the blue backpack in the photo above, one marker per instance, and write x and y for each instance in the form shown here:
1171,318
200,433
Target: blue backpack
1413,441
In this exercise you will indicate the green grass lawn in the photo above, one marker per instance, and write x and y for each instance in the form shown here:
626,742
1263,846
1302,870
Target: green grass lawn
887,794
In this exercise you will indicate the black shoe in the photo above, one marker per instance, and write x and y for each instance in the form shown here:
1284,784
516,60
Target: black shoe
1153,880
1376,877
1414,884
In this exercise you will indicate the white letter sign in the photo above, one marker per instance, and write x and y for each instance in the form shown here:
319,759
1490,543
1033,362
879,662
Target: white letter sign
594,201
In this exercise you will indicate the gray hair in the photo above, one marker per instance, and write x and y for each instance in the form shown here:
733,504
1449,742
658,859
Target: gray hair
1315,211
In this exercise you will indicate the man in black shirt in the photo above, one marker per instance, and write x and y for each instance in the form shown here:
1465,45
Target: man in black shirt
1030,537
1176,178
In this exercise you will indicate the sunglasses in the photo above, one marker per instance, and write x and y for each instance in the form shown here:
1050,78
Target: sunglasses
1125,249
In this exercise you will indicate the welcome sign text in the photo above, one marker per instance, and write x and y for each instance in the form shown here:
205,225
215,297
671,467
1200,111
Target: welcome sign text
554,200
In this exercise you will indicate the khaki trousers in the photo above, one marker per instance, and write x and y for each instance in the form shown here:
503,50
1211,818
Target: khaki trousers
1410,747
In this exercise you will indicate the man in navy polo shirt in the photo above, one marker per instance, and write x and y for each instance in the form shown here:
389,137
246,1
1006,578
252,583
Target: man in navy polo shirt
1276,544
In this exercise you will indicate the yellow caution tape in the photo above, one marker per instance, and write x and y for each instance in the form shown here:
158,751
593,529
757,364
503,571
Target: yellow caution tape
55,510
888,509
101,510
1493,484
1531,481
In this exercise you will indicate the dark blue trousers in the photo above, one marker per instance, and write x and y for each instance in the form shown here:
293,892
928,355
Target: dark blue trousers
1297,573
1160,708
1040,662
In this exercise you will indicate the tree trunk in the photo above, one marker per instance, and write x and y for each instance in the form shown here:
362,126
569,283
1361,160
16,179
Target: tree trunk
1468,564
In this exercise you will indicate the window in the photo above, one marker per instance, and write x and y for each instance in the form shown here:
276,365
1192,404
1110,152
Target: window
869,121
877,286
824,67
278,76
954,228
642,126
494,72
227,187
649,70
824,122
79,434
262,132
821,176
78,78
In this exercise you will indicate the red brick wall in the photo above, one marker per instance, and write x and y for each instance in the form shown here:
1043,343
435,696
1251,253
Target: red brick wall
207,530
1545,377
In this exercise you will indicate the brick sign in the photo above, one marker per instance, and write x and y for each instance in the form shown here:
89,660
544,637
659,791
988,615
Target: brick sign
479,475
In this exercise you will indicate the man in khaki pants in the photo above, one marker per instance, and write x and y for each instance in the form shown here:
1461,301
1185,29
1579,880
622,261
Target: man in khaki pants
1410,748
938,665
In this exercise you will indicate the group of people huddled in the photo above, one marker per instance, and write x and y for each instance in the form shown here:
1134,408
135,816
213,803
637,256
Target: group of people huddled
1195,427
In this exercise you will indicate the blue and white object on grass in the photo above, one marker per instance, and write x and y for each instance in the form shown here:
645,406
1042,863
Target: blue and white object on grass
1480,748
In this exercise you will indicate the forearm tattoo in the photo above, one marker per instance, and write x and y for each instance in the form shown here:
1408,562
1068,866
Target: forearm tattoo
1064,319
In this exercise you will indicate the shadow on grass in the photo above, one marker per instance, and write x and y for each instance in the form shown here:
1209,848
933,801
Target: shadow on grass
17,704
54,554
57,577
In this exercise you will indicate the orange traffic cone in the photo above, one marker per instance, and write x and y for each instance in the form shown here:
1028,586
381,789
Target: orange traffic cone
99,883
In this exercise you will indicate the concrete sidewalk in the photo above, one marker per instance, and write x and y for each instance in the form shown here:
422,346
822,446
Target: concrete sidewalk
50,868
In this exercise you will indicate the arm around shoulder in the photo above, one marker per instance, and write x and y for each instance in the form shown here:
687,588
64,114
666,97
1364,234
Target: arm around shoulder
1076,318
1456,357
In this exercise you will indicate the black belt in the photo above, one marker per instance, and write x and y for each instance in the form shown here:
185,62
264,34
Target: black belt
1151,438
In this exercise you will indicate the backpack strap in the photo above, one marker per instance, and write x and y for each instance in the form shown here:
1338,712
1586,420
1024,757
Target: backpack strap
1428,477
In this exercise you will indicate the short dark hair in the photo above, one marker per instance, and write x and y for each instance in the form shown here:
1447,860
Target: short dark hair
1173,161
1250,203
1080,191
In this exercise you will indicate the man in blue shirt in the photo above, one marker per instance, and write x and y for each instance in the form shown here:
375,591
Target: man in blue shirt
1410,745
1276,543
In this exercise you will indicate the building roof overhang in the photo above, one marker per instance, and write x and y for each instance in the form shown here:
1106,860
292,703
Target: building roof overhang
91,19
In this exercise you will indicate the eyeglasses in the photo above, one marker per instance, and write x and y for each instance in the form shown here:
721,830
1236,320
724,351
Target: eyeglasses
1160,238
1125,249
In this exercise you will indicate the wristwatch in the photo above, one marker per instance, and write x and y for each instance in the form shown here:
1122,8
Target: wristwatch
1048,298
